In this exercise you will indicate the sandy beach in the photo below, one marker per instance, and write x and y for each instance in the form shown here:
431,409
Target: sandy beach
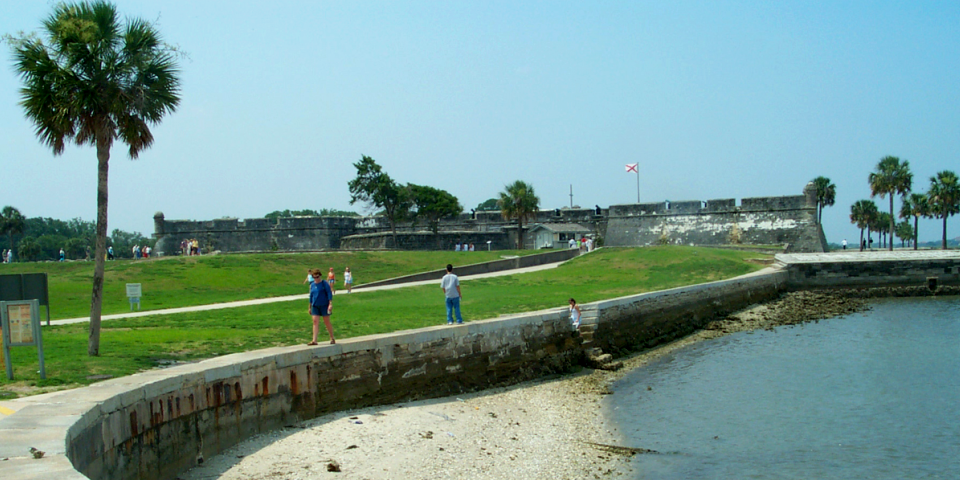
551,428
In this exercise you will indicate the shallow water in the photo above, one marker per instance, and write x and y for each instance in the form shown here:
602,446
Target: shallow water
872,395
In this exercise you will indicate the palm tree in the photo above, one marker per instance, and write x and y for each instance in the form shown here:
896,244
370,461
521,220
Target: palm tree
826,195
11,223
892,177
96,80
518,201
944,196
915,206
862,214
904,232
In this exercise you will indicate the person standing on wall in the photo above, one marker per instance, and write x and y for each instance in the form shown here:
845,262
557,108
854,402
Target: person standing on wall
321,305
451,290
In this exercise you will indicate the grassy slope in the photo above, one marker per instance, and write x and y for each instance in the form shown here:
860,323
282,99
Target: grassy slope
131,345
186,281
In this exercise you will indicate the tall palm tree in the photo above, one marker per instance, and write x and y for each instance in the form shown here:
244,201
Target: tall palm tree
96,80
862,214
915,205
826,195
944,198
518,201
892,177
11,223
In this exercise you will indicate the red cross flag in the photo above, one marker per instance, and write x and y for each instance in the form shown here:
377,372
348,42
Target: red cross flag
632,167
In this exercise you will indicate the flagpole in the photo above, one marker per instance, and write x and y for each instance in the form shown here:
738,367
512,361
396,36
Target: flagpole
638,183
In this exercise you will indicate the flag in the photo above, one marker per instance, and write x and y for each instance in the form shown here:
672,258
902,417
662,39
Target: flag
632,167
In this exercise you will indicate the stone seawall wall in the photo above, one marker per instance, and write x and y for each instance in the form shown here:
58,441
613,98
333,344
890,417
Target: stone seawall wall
647,320
876,273
157,424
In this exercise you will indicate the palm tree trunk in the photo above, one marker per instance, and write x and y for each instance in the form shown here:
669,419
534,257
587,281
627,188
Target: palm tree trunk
944,245
96,299
520,233
916,233
861,239
891,221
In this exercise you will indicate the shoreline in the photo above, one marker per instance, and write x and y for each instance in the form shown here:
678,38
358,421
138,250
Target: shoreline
545,428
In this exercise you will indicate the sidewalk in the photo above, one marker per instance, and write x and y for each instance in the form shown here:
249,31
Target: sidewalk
288,298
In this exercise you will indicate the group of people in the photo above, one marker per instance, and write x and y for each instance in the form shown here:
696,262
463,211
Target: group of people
189,246
138,252
322,291
585,244
7,256
463,247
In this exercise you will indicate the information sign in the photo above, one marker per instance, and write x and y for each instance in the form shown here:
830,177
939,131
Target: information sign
20,323
134,292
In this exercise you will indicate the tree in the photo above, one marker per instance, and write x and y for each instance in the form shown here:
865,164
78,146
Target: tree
862,214
915,205
891,177
96,80
376,188
11,223
904,232
518,201
28,248
488,205
944,198
826,195
433,204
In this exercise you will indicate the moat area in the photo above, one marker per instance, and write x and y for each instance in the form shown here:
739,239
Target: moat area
869,395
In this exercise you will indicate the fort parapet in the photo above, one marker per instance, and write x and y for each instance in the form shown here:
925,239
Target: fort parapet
788,221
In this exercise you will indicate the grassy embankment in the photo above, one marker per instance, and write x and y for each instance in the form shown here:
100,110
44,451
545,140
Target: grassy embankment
173,282
131,345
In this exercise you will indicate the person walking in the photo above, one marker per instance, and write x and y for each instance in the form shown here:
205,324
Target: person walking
321,305
451,290
309,280
332,280
62,255
348,280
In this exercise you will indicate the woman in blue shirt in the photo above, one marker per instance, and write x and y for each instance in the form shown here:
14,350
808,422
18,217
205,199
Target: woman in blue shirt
321,305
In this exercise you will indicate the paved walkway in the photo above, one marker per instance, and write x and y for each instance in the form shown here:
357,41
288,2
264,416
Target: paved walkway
867,256
304,296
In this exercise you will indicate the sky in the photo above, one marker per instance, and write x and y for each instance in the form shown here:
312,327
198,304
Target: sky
714,100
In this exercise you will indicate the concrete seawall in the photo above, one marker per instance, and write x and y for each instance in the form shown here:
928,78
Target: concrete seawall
156,424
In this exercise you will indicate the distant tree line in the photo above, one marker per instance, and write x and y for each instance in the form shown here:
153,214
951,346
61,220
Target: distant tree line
892,177
39,238
415,203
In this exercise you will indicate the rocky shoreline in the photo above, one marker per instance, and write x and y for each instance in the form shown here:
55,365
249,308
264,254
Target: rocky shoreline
549,428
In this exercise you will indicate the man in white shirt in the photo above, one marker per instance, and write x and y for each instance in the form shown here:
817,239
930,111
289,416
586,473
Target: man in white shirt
451,290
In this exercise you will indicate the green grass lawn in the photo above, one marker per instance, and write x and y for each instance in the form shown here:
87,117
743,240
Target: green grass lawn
201,280
131,345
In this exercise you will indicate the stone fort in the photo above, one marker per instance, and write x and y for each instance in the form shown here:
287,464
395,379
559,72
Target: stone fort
787,221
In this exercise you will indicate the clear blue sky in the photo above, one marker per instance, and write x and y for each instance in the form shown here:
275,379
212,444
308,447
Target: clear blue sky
712,99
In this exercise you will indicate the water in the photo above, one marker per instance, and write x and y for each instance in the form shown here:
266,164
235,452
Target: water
873,395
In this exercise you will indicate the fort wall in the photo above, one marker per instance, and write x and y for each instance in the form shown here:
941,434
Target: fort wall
789,220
